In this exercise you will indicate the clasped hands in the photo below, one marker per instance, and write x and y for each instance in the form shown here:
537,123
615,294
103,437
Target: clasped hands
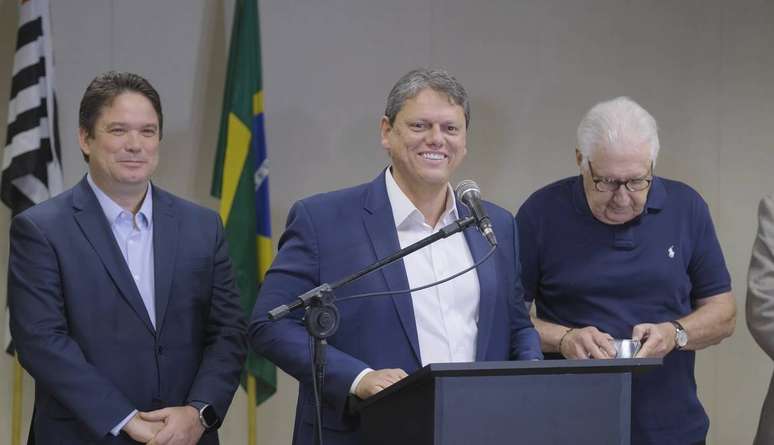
178,425
657,339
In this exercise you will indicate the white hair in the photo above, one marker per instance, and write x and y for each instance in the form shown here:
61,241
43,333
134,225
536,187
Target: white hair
620,124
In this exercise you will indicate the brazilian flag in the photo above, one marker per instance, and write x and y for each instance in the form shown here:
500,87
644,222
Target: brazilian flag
240,178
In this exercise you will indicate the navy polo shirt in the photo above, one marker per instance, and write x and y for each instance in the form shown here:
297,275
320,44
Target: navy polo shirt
582,272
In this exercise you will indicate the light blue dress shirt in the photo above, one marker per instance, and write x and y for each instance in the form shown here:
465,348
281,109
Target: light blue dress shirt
134,235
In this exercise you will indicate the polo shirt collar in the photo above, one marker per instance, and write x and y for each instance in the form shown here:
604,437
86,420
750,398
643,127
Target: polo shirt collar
579,196
657,195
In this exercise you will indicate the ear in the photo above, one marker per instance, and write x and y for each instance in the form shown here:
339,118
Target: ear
578,157
384,131
83,141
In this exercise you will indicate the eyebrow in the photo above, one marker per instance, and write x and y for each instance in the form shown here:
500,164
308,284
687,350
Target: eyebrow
603,177
441,122
631,178
124,124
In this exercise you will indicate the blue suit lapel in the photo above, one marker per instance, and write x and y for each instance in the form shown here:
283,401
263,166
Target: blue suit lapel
165,236
91,219
487,279
380,225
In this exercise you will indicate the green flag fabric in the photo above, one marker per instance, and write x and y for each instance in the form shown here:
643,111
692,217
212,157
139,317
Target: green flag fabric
240,177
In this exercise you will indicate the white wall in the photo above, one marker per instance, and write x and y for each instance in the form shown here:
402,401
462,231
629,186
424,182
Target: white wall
704,68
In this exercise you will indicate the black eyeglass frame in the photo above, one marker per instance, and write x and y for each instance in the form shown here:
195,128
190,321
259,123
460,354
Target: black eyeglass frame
627,184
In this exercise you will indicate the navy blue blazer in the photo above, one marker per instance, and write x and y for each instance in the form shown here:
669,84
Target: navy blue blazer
84,335
332,235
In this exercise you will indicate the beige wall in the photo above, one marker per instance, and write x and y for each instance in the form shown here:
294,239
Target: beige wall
704,68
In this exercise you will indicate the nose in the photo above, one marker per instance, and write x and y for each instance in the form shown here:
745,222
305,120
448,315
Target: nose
621,196
133,143
435,136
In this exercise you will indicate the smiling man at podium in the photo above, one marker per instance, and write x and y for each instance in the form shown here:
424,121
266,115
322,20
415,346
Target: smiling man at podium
478,316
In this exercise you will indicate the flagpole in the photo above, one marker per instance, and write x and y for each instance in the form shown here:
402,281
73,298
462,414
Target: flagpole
23,184
239,181
16,414
251,428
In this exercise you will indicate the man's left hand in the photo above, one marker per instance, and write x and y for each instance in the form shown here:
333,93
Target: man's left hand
181,425
657,340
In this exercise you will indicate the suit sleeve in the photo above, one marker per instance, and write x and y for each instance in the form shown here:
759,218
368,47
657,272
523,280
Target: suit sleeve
525,340
226,346
760,280
295,270
39,325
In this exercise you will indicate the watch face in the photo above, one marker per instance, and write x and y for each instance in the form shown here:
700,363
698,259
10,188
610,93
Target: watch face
209,416
682,338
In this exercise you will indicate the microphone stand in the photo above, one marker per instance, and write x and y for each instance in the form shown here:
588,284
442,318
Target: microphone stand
321,316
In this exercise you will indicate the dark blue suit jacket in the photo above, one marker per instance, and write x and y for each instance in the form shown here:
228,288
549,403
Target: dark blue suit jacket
84,335
332,235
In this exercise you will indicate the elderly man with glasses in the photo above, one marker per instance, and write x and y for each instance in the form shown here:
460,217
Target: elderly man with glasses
618,252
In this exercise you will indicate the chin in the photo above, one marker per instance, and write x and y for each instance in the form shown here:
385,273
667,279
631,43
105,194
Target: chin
621,219
435,181
135,180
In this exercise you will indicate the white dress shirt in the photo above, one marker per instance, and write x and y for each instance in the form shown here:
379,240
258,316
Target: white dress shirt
446,315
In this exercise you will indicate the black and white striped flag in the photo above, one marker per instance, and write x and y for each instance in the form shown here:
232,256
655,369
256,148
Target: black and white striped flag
31,170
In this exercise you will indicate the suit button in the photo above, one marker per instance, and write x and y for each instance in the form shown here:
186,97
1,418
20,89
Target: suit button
160,350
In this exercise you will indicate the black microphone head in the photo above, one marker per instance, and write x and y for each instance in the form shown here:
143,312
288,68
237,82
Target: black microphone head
466,189
468,193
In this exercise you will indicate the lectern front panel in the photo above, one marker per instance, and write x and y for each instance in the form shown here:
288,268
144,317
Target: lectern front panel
533,409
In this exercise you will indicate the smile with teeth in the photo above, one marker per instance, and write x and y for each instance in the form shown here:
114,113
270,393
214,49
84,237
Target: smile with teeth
433,156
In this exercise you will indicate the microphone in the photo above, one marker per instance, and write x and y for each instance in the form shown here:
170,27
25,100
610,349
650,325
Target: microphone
468,192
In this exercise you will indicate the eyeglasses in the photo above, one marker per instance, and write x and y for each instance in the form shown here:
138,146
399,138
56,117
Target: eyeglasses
612,185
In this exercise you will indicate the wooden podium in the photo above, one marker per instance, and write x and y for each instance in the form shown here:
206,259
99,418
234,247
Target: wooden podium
534,402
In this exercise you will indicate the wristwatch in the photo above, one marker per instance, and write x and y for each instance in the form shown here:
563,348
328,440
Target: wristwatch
681,337
207,416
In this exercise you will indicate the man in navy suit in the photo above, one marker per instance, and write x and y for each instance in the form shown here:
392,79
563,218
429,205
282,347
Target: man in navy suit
479,316
123,304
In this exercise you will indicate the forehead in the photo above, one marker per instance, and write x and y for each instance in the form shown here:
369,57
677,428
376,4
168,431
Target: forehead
430,100
631,162
129,106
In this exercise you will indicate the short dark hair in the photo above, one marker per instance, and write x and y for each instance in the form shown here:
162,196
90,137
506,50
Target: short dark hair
105,88
415,81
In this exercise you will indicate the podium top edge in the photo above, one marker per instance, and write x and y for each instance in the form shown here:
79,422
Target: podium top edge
540,367
505,368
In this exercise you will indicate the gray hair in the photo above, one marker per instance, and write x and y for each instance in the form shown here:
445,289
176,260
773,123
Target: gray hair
413,82
619,124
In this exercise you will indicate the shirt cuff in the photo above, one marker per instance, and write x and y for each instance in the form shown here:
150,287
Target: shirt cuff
198,404
117,429
357,380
